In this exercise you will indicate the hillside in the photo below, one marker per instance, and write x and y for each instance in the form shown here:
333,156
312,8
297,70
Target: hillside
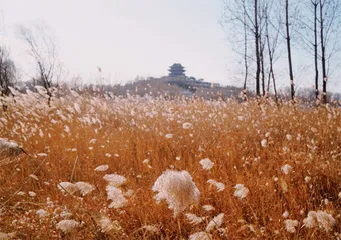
168,87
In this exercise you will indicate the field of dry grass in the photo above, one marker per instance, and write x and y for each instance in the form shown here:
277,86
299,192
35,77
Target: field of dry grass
268,171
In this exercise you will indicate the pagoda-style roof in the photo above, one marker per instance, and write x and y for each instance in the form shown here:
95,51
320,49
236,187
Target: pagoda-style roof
176,70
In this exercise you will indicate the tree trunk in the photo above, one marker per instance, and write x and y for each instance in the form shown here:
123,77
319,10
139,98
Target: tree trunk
271,73
289,50
323,58
315,51
261,56
245,49
257,49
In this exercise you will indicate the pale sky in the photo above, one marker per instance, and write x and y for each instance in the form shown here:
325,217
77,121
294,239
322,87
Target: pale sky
128,38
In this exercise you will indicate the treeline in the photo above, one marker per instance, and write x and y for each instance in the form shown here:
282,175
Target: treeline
263,31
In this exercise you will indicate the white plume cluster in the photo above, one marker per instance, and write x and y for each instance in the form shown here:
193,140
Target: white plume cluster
220,186
201,236
116,196
67,226
106,224
241,191
41,213
194,219
4,143
8,149
286,168
83,188
114,193
290,225
186,125
177,189
68,187
102,168
216,222
320,219
114,179
208,208
206,164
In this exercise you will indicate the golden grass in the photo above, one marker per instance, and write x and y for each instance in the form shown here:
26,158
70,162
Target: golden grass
128,131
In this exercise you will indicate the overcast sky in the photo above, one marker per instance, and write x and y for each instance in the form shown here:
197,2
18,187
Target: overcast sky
129,38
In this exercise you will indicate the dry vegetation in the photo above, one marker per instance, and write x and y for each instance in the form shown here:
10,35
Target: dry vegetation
287,158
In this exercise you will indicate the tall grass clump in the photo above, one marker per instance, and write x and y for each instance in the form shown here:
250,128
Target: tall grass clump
96,168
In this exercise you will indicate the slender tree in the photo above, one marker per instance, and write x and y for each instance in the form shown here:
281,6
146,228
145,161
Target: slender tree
262,60
241,20
43,50
257,35
249,22
323,53
272,43
245,47
315,5
287,26
330,24
7,75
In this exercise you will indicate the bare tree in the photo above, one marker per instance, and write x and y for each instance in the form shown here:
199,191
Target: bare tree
245,47
287,26
7,71
329,37
319,35
323,52
257,36
7,75
307,31
315,5
262,15
272,37
43,50
262,60
241,18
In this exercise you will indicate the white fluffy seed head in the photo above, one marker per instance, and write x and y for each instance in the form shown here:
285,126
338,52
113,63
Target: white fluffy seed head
169,135
116,196
177,189
32,194
320,219
41,213
115,179
206,164
241,191
68,187
193,219
105,224
9,148
84,188
216,222
208,208
290,225
102,168
220,186
264,143
66,226
286,168
200,236
186,125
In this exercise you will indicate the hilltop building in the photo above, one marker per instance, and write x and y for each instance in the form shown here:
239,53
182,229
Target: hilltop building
176,70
